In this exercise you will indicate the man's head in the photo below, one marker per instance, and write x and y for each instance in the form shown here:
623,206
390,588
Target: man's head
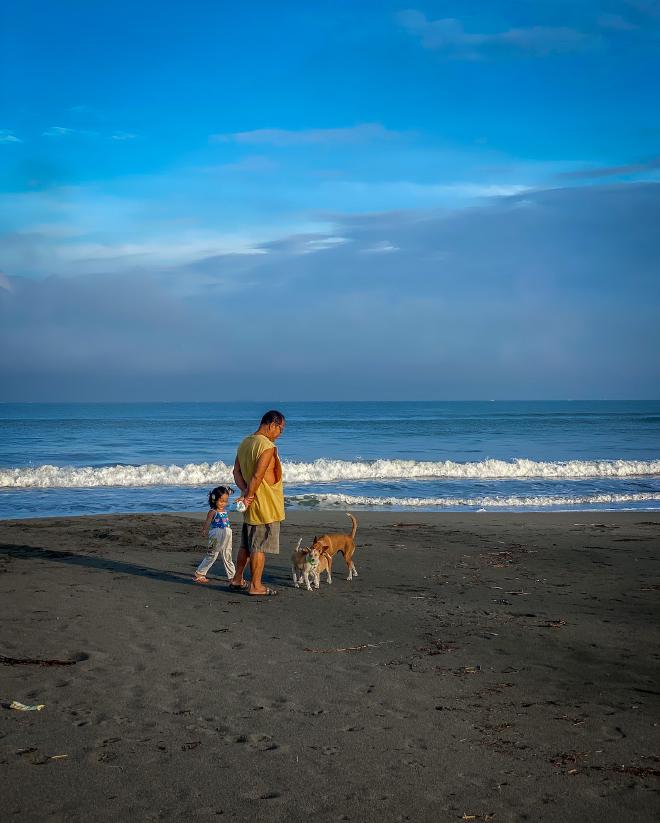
272,424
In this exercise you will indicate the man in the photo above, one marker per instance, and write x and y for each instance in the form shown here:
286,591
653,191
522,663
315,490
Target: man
258,474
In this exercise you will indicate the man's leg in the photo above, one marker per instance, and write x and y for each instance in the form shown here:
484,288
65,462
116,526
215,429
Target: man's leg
241,563
257,563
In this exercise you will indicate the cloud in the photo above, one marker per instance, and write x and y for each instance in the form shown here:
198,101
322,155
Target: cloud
7,136
123,135
255,164
82,109
365,132
612,171
449,36
381,247
543,294
63,131
615,22
649,8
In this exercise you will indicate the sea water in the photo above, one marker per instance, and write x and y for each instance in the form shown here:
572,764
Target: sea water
420,456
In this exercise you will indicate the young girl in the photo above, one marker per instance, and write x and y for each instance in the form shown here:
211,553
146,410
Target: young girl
217,528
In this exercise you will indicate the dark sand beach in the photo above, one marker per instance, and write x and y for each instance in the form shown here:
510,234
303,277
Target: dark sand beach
499,667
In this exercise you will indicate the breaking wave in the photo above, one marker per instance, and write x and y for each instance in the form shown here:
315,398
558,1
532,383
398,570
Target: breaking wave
323,501
323,471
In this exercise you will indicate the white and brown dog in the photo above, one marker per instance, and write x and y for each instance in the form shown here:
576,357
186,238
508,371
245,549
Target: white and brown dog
330,544
308,563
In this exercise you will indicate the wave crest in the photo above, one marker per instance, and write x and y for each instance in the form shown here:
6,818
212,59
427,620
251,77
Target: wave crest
344,500
323,471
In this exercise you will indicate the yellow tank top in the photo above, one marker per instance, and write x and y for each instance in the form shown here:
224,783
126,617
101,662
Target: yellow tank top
268,504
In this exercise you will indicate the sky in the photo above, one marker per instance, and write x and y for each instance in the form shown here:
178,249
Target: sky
329,201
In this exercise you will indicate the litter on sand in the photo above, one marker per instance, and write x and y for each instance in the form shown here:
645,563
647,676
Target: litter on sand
359,648
22,707
33,661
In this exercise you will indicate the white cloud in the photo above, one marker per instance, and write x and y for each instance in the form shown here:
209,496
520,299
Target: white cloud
123,135
448,35
382,247
363,132
615,22
63,131
7,136
256,164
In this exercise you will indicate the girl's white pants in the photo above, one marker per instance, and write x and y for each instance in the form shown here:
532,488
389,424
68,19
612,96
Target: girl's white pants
219,544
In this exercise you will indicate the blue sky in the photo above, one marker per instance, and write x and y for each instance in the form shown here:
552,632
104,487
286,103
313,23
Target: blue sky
215,201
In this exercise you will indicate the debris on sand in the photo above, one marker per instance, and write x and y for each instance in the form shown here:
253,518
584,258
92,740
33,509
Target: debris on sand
359,648
33,661
24,707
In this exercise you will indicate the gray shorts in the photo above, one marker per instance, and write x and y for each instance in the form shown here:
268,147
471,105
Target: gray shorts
261,538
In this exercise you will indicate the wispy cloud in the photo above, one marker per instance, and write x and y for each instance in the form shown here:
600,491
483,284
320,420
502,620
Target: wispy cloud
254,164
615,22
123,135
7,136
472,296
361,133
64,131
612,171
449,36
650,8
381,247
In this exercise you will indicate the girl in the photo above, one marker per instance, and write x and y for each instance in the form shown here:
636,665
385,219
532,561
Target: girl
217,528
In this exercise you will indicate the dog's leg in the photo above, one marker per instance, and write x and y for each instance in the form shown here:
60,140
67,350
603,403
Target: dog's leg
317,578
295,577
355,574
349,563
307,583
329,576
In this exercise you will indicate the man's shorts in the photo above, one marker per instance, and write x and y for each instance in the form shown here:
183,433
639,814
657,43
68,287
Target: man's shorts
261,538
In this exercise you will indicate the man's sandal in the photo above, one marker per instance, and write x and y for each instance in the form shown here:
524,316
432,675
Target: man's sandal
267,593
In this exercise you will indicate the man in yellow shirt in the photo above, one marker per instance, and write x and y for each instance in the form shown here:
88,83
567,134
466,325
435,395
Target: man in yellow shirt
258,474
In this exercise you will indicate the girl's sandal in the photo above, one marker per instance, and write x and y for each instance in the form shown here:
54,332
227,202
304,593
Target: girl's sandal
237,587
200,578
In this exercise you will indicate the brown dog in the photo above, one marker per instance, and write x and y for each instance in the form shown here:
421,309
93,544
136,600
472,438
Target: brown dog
330,544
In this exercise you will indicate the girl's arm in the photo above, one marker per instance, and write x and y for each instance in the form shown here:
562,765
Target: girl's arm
207,523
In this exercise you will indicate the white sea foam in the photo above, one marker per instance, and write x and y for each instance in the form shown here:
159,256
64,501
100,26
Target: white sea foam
323,501
323,471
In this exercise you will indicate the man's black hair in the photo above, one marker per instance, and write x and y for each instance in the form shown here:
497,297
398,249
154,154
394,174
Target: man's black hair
272,416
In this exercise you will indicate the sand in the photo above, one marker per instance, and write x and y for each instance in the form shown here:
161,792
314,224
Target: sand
481,667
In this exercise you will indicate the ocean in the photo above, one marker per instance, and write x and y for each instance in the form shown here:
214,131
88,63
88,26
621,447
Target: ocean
69,459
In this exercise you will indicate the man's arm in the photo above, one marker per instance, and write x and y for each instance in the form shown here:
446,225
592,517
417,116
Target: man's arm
238,478
263,464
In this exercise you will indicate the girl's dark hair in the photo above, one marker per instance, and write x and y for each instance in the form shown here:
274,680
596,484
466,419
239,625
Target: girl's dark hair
216,493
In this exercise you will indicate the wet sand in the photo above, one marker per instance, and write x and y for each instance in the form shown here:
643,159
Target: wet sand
481,667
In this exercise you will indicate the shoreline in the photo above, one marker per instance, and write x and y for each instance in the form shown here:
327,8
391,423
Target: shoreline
293,513
482,664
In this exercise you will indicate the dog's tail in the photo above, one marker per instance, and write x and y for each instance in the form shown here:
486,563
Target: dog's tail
354,525
298,546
